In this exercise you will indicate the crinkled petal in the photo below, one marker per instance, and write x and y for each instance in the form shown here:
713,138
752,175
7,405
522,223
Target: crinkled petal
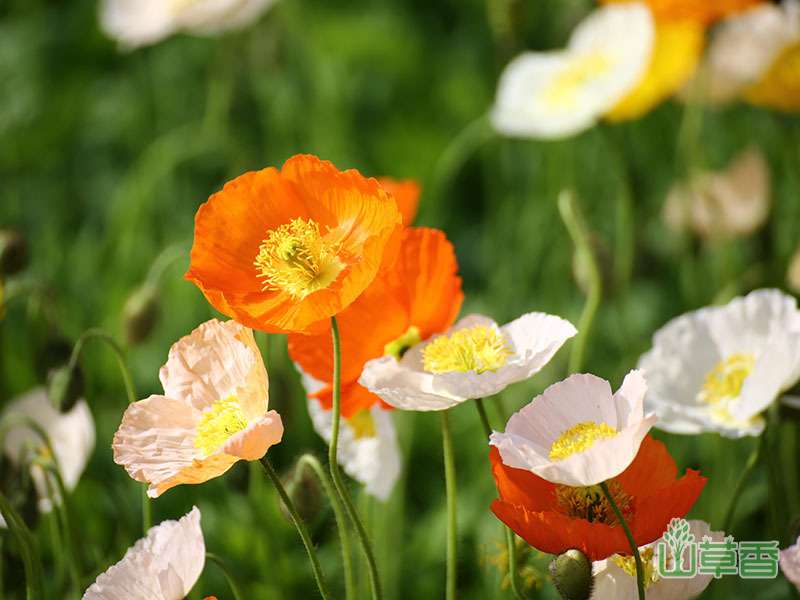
253,442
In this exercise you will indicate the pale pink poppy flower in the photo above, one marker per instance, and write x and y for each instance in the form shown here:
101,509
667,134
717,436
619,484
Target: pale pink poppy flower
212,414
165,565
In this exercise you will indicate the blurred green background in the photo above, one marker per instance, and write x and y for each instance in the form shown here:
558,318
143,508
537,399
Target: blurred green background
106,155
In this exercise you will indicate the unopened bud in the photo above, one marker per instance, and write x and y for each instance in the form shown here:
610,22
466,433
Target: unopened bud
572,574
305,491
13,252
64,387
140,314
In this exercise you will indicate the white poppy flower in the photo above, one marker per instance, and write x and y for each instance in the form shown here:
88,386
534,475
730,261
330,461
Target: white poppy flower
136,23
718,368
560,93
71,434
475,358
615,577
790,563
165,565
745,45
212,414
734,201
577,433
368,450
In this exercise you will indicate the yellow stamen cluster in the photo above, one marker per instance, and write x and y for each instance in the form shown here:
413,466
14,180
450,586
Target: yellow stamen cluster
298,259
590,503
398,347
479,348
362,424
580,437
628,564
563,91
724,383
224,419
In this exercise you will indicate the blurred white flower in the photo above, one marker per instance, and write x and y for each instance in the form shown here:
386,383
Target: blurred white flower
475,358
744,47
560,93
732,202
718,368
165,565
136,23
790,563
577,433
71,434
615,577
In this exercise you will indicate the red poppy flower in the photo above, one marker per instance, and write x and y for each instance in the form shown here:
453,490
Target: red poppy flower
417,296
555,518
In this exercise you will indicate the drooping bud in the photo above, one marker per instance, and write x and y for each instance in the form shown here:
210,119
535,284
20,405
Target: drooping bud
572,575
13,252
140,314
305,491
65,387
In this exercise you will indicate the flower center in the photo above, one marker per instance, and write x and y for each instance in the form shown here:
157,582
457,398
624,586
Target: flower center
580,437
563,92
628,564
362,424
724,383
400,346
298,259
479,348
222,420
590,503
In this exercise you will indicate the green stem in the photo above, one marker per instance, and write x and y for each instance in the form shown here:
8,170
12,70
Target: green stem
27,546
61,509
163,261
570,214
752,461
235,592
301,528
336,474
310,461
512,548
450,486
631,541
130,391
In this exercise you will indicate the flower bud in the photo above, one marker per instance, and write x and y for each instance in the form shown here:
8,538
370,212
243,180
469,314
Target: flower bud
64,387
305,491
572,574
140,314
13,252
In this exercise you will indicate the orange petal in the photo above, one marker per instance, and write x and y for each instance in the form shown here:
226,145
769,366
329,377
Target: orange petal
406,193
702,11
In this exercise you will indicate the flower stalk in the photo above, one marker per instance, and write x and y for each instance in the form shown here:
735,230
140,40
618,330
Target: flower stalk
634,548
452,523
336,474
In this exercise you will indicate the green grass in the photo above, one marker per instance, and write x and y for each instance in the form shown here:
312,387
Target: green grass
105,157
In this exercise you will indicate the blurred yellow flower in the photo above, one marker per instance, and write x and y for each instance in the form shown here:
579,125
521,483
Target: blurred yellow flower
779,88
676,54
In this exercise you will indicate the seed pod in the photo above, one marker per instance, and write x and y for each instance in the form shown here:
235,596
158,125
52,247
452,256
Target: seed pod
140,314
305,491
572,574
13,252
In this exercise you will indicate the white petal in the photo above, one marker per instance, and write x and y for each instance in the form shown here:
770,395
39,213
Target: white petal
374,461
403,387
137,23
252,443
790,563
72,435
165,565
208,17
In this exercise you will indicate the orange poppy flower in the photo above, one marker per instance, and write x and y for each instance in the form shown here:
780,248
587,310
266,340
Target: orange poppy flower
554,518
406,193
702,11
285,250
418,296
